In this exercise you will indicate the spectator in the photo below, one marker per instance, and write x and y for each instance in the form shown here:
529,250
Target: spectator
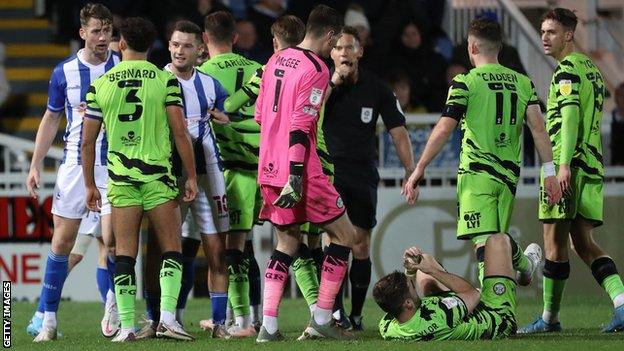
401,85
356,18
508,55
263,14
425,67
617,128
247,43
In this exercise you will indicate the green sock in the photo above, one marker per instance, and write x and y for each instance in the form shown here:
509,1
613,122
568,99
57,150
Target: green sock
170,283
520,262
613,285
481,270
238,290
125,292
553,293
307,279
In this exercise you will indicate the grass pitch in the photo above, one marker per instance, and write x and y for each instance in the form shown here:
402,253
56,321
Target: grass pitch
582,318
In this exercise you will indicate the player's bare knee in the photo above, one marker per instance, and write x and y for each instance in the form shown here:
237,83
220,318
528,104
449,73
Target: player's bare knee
498,241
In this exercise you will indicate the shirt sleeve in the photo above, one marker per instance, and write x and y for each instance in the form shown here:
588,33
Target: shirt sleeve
457,99
390,110
247,93
221,95
56,91
568,85
259,99
308,101
94,110
174,93
533,99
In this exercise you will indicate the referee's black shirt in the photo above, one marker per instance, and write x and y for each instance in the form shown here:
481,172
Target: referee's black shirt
350,120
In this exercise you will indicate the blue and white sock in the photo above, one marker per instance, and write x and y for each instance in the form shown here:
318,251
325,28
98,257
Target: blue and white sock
53,280
103,282
219,306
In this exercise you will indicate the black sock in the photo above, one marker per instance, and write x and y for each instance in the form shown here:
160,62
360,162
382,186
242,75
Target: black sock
360,276
255,284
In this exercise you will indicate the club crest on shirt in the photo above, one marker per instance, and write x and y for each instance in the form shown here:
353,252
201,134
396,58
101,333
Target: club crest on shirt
316,96
366,115
339,202
565,87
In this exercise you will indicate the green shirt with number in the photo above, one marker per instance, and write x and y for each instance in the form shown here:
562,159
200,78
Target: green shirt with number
131,100
490,102
239,141
574,115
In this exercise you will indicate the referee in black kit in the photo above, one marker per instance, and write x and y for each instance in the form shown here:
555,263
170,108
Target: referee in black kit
356,101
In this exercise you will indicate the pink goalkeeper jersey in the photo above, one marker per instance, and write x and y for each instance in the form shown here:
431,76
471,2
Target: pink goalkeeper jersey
291,94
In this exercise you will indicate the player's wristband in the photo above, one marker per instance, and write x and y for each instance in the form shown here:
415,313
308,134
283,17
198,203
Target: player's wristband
549,169
408,274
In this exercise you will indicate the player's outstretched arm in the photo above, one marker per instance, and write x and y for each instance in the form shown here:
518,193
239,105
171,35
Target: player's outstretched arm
544,149
248,92
175,118
439,136
45,136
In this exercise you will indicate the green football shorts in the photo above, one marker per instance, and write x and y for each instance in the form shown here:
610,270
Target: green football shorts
484,206
498,306
243,199
149,195
585,199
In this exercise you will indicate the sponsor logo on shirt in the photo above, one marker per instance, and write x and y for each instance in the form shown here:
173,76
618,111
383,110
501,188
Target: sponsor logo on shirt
130,139
565,87
316,96
269,170
450,302
366,115
472,219
310,110
502,140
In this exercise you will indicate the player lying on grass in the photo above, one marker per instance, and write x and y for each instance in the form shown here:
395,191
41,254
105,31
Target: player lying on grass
429,303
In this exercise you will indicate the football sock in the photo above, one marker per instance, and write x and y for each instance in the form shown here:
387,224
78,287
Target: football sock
218,301
334,270
189,251
170,281
152,303
125,289
606,274
521,263
479,242
110,267
255,284
49,319
360,276
101,277
275,278
480,254
317,256
306,276
238,289
555,277
53,280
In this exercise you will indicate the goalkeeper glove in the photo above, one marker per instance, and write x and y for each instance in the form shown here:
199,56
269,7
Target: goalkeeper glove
291,193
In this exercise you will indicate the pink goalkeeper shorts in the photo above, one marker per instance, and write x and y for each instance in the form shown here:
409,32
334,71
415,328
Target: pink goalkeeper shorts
320,203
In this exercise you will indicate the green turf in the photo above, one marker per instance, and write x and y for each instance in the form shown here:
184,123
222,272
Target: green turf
581,319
